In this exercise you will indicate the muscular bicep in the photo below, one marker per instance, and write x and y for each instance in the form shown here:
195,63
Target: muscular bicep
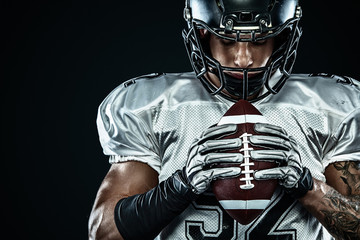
344,177
122,180
130,178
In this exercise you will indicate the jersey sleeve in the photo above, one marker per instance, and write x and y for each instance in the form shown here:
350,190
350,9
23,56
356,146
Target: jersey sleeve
344,144
125,133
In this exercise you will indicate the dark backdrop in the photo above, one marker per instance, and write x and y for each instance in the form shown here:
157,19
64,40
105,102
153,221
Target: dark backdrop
61,58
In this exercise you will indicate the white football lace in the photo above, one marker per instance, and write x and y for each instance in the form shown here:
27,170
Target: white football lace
246,164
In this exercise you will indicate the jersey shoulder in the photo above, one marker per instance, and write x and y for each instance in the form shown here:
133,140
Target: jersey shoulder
153,89
333,90
326,81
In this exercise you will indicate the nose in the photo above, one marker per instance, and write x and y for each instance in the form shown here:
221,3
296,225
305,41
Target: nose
243,58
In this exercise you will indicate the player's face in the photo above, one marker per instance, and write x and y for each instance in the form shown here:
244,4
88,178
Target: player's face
239,55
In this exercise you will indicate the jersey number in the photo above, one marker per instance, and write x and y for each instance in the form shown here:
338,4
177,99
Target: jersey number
227,227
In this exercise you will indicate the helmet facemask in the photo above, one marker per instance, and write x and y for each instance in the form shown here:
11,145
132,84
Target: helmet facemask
286,37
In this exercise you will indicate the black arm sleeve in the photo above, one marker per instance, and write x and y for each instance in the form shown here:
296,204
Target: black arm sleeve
143,216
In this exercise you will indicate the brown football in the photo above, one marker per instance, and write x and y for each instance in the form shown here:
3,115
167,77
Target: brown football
243,197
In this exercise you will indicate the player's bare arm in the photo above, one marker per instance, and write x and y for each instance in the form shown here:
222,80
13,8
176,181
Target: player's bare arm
123,180
337,203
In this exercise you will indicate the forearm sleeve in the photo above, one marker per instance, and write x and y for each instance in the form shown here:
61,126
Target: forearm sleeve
143,216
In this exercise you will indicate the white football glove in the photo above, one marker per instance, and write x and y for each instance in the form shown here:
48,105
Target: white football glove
281,148
206,152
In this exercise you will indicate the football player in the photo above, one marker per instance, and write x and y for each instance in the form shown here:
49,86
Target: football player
160,134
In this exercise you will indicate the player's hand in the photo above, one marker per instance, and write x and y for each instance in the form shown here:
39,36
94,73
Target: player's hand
281,148
208,151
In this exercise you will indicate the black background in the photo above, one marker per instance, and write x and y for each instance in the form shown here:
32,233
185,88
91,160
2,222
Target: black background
61,58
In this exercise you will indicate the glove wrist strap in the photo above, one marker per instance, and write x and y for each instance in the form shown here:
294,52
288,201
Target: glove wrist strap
305,184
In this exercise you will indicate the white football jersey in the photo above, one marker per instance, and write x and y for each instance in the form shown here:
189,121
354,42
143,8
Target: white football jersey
154,119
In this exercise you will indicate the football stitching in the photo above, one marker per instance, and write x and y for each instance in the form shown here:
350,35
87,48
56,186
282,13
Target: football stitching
246,164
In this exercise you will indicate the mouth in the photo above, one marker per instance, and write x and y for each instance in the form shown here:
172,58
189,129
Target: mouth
240,75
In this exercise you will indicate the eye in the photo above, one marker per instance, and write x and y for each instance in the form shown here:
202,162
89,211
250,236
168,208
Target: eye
226,42
259,43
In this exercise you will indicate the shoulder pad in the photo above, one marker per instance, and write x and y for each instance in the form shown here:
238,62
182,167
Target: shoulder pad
133,80
339,79
346,80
